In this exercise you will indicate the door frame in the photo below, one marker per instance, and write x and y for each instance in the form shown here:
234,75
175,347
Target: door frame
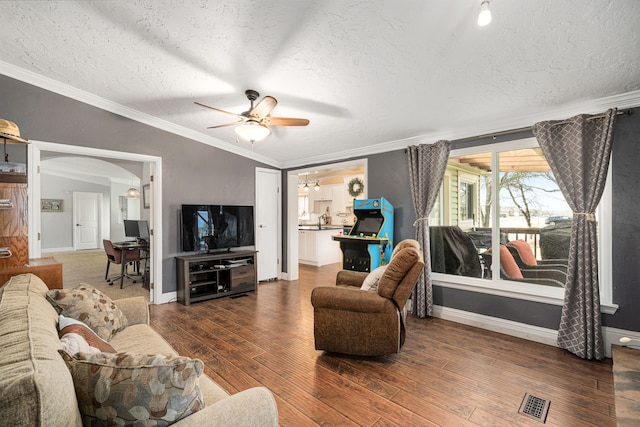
292,209
278,175
34,193
74,228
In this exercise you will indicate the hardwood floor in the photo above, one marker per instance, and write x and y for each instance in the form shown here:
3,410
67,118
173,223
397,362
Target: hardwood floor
447,374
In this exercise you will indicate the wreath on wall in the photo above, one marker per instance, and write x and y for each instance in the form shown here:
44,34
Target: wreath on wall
355,187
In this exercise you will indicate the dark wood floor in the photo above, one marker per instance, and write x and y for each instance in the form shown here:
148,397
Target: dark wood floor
447,374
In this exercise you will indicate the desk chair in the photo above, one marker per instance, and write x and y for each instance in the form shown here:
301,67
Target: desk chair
114,256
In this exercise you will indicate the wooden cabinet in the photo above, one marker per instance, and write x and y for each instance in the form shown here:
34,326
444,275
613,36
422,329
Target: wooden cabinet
206,276
14,235
14,229
48,269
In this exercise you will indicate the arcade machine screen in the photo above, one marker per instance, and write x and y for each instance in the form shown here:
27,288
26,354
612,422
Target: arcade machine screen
367,226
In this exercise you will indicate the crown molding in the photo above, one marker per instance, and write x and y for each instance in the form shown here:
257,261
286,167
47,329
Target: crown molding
68,91
620,101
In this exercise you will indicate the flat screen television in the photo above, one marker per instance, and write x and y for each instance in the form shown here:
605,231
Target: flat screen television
208,228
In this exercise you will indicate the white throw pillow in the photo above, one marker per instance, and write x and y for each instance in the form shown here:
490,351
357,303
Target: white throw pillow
370,282
77,337
64,321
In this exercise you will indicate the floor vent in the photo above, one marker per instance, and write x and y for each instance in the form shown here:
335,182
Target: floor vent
534,407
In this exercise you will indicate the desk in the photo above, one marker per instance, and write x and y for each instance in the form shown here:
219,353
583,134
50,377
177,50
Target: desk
126,248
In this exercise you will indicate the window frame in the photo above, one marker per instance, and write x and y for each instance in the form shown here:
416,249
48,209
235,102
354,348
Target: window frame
533,292
470,182
303,202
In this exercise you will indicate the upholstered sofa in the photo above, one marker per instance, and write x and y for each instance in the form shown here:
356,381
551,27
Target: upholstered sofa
37,387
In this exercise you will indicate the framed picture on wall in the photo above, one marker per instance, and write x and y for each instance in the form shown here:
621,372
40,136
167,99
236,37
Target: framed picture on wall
51,205
146,196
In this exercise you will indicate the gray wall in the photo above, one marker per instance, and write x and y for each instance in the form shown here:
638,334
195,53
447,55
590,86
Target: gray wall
196,173
192,172
389,178
626,223
57,227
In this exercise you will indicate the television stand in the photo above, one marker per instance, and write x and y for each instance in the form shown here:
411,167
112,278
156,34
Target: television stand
214,275
218,251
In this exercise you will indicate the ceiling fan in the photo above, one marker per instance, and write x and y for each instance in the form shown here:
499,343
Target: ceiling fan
253,124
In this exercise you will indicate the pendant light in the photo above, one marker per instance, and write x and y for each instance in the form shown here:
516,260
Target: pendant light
132,193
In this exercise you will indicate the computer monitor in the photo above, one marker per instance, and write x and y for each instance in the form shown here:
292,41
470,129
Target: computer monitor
136,228
143,229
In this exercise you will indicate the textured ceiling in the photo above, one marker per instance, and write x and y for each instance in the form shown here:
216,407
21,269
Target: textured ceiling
369,75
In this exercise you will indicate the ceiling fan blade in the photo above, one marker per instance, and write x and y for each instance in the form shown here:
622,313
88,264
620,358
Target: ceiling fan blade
264,107
285,121
225,125
215,109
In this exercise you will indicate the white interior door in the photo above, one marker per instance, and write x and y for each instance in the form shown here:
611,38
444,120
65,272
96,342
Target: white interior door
268,222
87,208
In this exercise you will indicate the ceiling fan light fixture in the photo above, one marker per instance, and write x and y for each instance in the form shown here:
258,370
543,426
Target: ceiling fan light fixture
484,18
252,131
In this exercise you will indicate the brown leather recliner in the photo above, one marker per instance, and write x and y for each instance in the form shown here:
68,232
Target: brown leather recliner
366,323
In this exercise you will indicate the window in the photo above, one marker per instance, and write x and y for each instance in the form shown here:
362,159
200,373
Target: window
503,226
303,207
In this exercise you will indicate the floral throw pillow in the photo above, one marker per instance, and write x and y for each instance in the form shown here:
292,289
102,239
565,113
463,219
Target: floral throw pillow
135,389
90,306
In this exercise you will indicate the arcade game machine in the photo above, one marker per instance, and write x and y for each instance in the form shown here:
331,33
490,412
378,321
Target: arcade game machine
369,243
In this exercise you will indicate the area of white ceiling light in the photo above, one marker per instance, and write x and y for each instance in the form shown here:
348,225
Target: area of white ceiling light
484,18
252,131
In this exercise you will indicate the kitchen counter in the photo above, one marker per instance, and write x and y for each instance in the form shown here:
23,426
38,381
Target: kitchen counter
321,228
316,246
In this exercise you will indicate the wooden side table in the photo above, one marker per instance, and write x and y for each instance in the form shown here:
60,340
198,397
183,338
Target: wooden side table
48,269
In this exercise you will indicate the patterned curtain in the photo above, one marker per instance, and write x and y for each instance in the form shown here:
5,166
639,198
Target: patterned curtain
578,151
427,164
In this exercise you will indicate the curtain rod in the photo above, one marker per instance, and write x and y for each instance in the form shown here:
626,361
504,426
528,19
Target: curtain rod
628,111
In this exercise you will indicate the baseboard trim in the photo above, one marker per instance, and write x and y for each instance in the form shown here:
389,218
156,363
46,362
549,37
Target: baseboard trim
522,330
49,250
613,335
508,327
168,297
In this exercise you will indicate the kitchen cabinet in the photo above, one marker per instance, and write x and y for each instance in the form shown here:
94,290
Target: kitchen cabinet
325,193
338,198
316,247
